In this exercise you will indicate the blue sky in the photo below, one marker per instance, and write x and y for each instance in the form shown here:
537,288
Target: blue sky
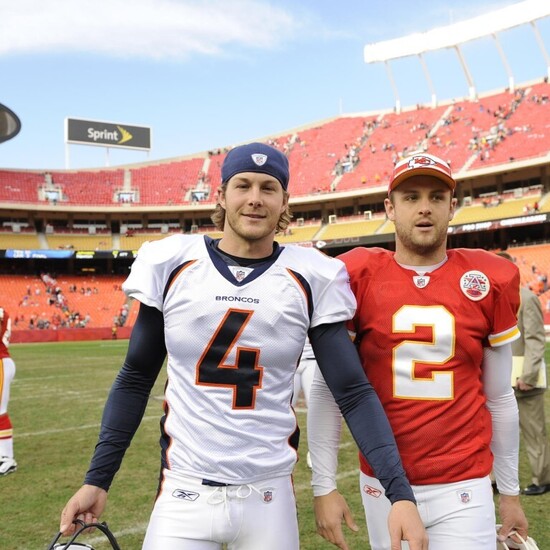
211,73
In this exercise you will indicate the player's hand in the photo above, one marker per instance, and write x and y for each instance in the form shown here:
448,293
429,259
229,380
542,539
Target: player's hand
404,523
330,512
87,504
512,517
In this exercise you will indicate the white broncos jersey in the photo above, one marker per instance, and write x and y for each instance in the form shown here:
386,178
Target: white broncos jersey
234,338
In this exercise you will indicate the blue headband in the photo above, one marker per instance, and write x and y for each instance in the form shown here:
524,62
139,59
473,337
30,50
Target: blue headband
256,157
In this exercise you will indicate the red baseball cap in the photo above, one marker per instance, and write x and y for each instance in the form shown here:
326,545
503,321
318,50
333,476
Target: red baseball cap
422,164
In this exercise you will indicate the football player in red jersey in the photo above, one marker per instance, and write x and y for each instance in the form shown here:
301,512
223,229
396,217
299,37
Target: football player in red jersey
231,316
434,329
8,464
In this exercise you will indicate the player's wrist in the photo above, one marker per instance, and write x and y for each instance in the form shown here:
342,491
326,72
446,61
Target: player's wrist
323,490
506,495
400,489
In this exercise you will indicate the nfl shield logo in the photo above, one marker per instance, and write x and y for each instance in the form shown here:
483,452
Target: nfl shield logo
259,159
421,281
268,495
465,497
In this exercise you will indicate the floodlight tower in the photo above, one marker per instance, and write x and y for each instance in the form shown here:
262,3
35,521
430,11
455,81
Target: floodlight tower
454,36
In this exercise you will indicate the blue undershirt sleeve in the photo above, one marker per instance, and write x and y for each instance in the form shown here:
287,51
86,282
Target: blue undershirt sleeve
361,408
128,397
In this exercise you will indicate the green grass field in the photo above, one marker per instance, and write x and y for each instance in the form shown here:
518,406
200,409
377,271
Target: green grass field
56,404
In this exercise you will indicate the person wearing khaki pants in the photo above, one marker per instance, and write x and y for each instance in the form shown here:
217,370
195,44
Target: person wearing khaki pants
531,398
527,388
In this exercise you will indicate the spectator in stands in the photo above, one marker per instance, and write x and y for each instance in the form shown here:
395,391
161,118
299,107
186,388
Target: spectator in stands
434,329
232,315
529,388
8,464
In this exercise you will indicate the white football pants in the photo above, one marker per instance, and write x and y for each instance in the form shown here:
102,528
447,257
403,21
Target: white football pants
191,516
457,516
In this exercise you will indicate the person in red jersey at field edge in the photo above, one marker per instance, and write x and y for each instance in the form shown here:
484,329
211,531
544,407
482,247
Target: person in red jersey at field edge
231,316
434,329
8,464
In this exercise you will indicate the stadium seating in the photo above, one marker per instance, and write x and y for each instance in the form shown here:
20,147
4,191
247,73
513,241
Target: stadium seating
465,125
316,150
135,240
80,242
527,130
357,228
392,136
461,131
479,212
19,241
20,186
214,172
26,298
86,187
534,265
297,234
167,183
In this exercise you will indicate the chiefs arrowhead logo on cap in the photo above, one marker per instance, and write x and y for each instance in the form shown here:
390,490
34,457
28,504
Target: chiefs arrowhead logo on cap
422,165
420,160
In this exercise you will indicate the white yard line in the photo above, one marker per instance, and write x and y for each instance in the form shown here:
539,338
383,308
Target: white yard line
17,435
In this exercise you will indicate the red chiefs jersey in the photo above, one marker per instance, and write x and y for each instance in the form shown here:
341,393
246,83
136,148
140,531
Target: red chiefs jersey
421,340
5,333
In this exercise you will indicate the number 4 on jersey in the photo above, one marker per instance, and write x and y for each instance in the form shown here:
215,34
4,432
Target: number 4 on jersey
245,376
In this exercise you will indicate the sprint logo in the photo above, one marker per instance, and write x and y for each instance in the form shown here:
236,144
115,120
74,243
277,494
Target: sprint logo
126,136
118,136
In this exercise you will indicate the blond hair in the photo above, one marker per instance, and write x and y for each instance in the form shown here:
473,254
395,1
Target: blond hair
218,216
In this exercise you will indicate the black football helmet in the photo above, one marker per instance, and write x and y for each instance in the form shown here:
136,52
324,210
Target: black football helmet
71,545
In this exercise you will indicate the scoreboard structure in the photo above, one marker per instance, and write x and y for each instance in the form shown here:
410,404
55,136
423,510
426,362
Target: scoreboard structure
105,134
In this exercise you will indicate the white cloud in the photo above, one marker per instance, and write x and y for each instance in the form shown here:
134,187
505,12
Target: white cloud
142,28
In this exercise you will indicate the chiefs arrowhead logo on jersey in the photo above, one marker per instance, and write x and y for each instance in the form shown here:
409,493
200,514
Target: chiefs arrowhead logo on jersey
475,285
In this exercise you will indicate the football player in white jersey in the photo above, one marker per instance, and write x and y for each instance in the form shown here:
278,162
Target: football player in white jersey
232,316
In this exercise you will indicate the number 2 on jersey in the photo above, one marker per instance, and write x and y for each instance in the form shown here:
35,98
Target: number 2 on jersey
435,352
245,376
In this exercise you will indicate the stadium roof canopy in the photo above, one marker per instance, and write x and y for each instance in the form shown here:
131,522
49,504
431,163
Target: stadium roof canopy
452,36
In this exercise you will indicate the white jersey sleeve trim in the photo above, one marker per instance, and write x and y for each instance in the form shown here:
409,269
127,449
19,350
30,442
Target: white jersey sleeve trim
501,402
324,424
